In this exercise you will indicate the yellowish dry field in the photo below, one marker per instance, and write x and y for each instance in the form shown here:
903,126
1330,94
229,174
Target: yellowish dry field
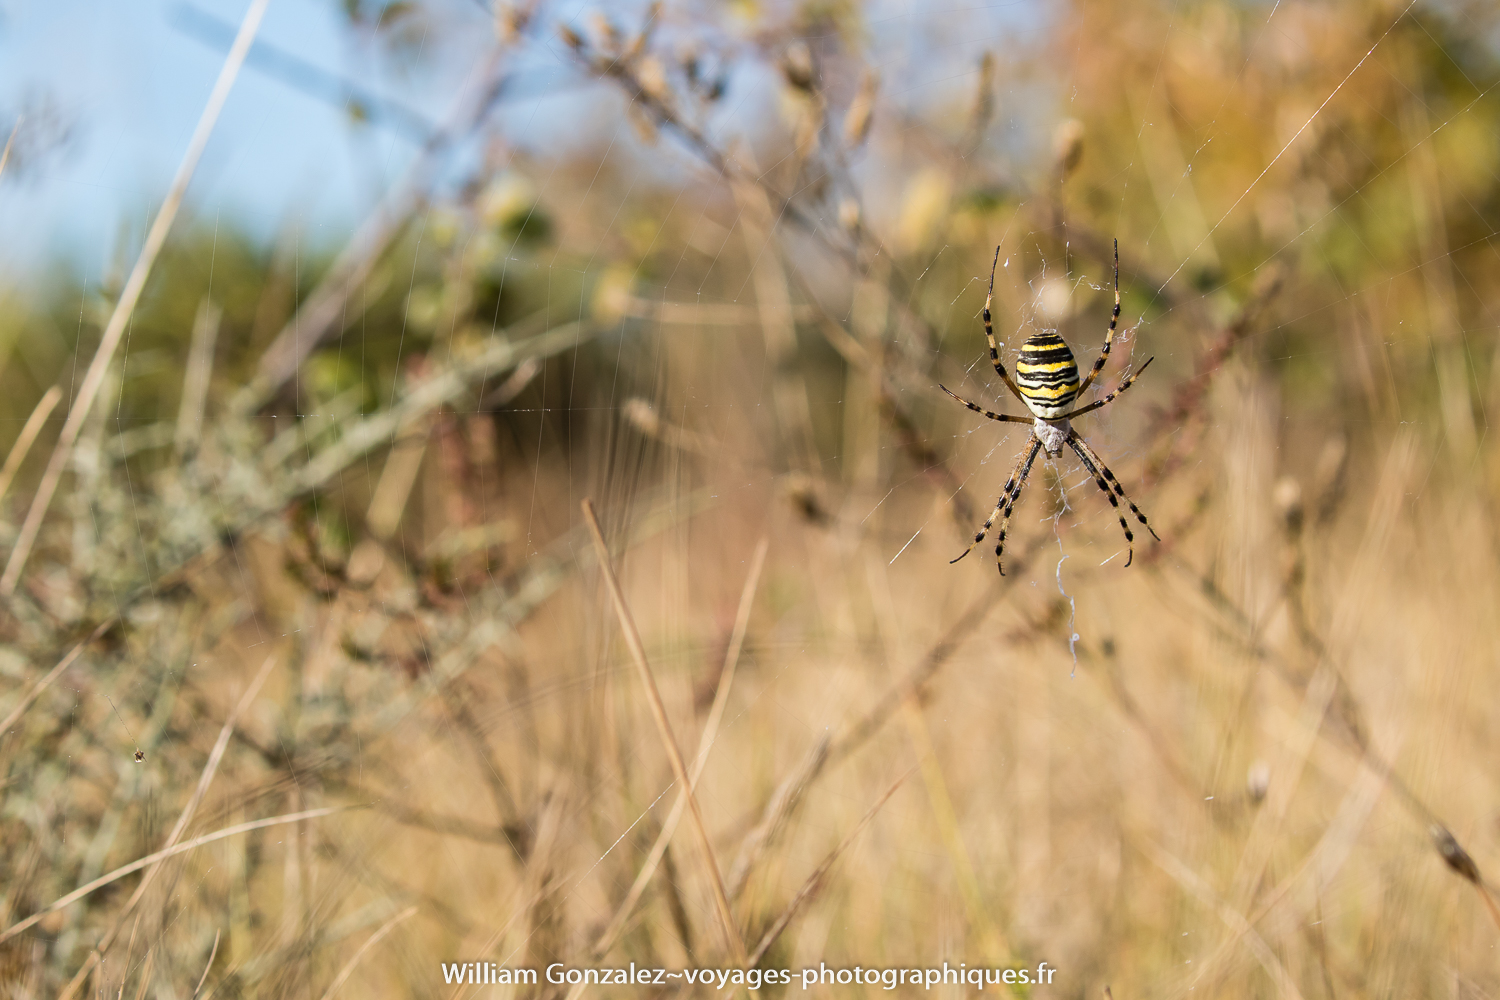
1258,761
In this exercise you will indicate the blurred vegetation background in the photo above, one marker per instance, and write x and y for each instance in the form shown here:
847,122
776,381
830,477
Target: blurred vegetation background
316,552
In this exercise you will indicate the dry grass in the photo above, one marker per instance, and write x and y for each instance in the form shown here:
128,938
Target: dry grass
1257,762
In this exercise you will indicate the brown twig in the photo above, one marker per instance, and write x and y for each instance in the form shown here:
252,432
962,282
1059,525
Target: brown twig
792,791
779,808
664,729
918,677
1188,400
815,880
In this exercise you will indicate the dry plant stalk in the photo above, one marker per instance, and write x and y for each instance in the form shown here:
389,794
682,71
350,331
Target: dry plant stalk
669,742
779,808
705,743
146,971
940,801
858,118
27,437
403,461
556,883
350,965
5,156
52,675
195,380
815,880
93,380
151,859
791,793
207,965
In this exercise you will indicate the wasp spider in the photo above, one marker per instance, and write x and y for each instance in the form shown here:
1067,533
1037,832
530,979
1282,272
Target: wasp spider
1047,382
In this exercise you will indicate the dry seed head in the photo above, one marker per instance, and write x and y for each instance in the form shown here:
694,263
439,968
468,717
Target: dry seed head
1453,853
606,35
643,416
861,111
644,125
643,37
797,66
803,494
687,58
571,38
849,214
652,76
510,21
613,296
1258,780
1286,496
365,563
1067,147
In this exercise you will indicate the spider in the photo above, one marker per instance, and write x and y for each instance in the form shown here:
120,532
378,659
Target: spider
1047,382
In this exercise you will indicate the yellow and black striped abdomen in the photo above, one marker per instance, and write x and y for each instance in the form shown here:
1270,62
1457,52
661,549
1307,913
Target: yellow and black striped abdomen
1047,375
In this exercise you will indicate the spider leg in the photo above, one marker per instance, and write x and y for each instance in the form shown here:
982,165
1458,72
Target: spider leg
1109,338
979,409
1007,503
1129,381
1106,480
989,333
1036,446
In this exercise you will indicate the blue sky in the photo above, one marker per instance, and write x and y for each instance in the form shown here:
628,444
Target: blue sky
132,82
131,77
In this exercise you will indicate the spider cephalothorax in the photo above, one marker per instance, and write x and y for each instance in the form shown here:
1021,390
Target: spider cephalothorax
1047,383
